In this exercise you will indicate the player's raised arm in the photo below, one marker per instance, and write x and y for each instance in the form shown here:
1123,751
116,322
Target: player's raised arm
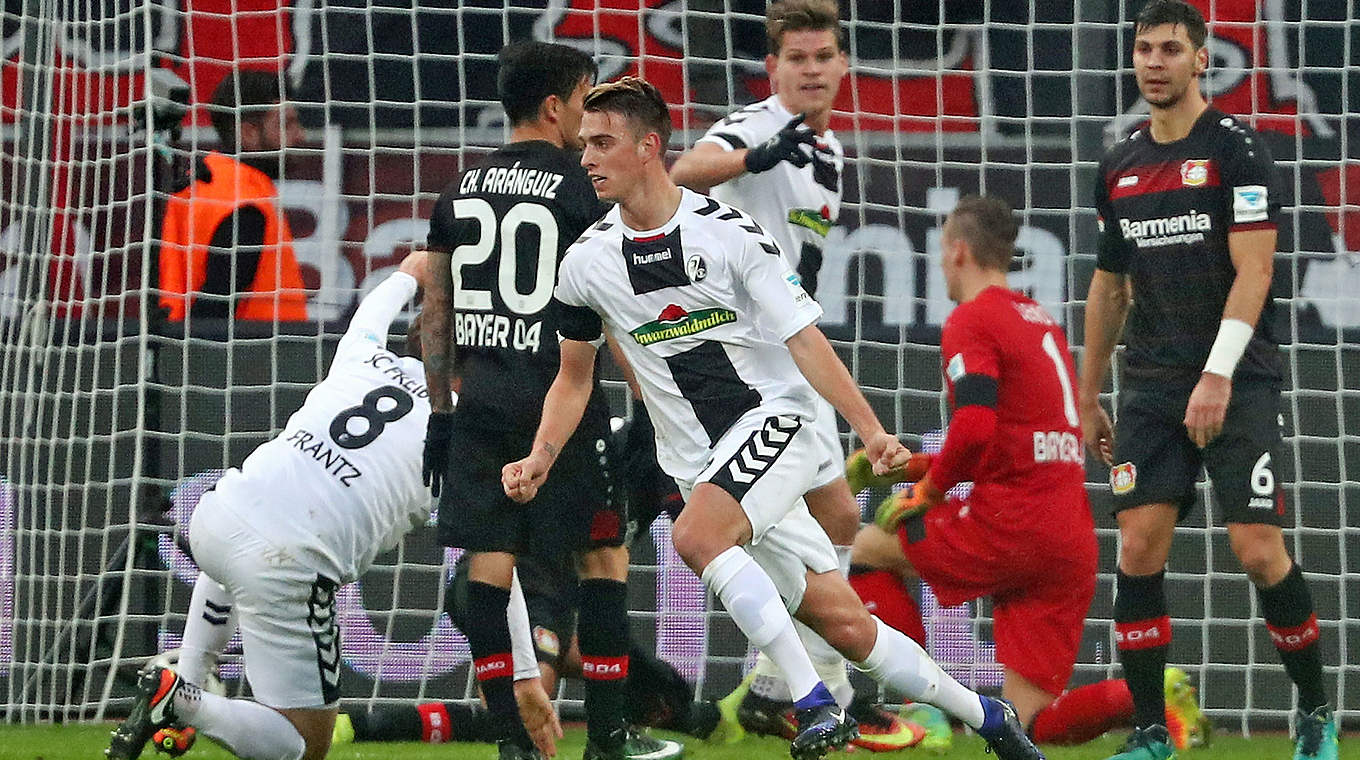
562,409
723,156
374,316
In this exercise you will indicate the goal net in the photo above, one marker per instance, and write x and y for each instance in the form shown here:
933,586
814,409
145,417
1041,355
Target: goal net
114,419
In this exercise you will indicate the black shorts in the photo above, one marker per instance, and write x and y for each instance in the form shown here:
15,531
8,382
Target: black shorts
550,593
1156,462
575,509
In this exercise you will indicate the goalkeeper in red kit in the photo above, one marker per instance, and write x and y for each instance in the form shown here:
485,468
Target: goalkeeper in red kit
1024,536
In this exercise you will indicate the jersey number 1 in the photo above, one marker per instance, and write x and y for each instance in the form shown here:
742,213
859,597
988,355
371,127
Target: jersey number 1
469,299
1064,379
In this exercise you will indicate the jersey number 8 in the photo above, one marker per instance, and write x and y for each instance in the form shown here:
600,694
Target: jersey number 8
377,419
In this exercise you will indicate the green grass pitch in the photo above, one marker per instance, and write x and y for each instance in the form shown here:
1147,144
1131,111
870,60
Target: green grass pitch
87,742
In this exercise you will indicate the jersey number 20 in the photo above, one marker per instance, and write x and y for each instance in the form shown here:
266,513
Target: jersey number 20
538,215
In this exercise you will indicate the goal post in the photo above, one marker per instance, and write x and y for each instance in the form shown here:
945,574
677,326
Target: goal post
114,420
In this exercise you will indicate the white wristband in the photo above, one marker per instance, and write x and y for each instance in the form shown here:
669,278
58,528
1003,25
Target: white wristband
1232,340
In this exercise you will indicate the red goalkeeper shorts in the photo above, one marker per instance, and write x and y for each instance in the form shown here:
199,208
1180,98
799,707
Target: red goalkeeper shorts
1039,573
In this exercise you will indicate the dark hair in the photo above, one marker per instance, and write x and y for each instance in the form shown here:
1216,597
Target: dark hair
243,96
531,71
636,99
989,228
1176,13
802,15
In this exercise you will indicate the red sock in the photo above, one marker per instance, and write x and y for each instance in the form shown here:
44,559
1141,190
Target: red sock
1084,713
884,595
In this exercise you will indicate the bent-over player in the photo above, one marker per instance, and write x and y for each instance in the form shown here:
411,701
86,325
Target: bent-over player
305,513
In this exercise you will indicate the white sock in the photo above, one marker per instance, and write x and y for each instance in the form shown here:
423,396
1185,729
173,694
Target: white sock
754,604
843,554
829,663
902,666
211,622
247,729
769,682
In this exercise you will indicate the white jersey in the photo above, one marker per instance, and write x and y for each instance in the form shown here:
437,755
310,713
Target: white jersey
796,206
701,307
342,482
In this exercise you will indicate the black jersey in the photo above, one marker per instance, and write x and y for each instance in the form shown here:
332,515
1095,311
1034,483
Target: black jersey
1165,211
507,223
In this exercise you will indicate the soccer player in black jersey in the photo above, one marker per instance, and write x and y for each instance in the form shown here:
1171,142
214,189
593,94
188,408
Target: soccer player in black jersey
1188,207
496,235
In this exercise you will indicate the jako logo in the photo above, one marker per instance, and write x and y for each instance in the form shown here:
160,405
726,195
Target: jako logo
492,666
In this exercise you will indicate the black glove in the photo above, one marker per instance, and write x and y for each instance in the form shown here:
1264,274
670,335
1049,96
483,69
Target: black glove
786,145
438,436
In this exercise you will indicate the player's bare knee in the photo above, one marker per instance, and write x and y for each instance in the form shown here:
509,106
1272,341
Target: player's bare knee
694,545
1142,551
1261,550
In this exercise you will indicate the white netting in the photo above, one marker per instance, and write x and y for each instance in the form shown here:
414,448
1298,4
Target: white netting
108,412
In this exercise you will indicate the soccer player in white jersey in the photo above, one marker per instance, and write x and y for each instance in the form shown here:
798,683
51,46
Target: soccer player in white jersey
305,513
723,343
779,161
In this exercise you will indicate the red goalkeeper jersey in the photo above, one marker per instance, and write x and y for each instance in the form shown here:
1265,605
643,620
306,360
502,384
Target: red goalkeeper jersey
1015,431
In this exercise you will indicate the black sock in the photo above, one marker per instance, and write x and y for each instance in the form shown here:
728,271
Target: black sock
395,723
602,632
488,636
1143,635
658,696
1292,622
432,722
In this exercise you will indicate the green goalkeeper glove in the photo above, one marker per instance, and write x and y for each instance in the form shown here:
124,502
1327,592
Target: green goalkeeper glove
914,500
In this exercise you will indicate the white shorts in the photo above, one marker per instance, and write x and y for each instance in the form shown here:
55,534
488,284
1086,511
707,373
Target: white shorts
287,610
767,462
830,436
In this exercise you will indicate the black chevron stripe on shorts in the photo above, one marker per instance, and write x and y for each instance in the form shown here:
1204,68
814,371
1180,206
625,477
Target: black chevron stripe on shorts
216,614
738,474
326,634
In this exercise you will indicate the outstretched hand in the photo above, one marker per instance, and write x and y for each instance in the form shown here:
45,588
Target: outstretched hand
785,145
538,715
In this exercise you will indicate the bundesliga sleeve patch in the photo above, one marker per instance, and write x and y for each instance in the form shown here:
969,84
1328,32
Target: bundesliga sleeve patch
795,284
1250,204
955,368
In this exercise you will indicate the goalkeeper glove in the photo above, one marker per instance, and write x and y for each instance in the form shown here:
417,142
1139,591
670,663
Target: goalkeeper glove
859,471
909,502
438,436
786,145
